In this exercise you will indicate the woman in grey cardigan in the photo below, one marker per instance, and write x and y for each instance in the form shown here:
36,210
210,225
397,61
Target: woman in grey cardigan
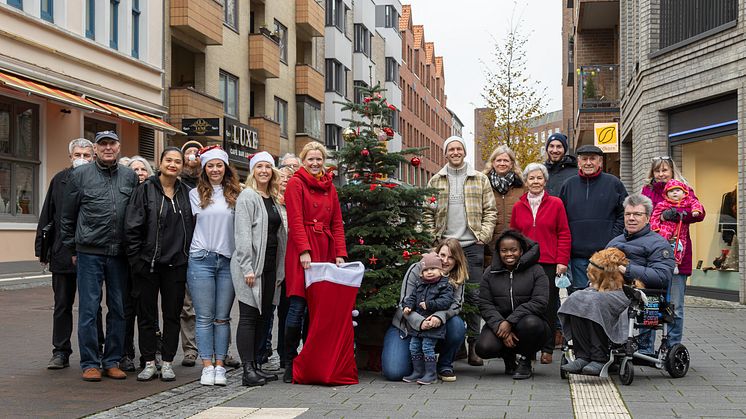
258,264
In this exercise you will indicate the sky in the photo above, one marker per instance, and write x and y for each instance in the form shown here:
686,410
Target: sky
465,36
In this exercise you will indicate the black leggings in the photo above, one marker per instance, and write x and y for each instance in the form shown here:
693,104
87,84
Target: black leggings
531,330
252,333
589,340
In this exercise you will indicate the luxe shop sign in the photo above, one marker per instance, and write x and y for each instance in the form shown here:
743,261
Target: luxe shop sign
239,141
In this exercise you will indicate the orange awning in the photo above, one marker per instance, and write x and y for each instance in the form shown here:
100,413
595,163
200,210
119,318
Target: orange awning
141,118
48,92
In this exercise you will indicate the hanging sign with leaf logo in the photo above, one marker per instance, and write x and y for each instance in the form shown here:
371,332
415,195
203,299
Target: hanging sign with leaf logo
606,136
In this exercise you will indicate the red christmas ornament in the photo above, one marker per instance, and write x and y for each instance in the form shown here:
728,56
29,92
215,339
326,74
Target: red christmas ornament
432,199
365,152
392,107
388,131
367,99
406,255
373,260
355,175
361,241
415,161
412,241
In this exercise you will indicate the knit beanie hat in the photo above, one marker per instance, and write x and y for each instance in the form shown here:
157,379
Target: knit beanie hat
449,140
673,184
431,260
261,156
557,136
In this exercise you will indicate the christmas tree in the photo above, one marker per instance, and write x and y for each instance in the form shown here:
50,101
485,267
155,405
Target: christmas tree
382,216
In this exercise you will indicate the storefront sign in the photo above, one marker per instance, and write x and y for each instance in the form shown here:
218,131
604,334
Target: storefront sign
606,137
201,127
239,141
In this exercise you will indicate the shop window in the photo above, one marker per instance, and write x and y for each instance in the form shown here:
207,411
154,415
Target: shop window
281,116
711,169
308,117
19,164
229,93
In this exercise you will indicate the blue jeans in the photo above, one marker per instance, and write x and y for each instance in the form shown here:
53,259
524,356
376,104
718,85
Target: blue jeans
93,272
296,311
396,361
676,291
211,287
422,346
579,274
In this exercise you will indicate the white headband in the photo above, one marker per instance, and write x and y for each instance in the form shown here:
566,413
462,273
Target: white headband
261,156
215,153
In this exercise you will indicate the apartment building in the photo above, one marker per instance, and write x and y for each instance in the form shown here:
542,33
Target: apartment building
424,119
590,75
457,127
250,70
683,90
67,70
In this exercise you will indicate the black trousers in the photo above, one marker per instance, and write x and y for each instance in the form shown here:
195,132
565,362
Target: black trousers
531,330
251,334
64,287
552,306
282,315
170,282
130,311
475,259
589,341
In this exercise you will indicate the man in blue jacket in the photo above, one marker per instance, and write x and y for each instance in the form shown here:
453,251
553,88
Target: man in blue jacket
595,211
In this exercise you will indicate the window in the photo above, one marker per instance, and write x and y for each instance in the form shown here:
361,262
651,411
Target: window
336,14
230,17
114,23
16,3
332,136
684,19
229,93
90,19
362,39
47,10
92,126
392,70
136,28
282,32
281,116
19,154
336,77
358,94
391,19
394,120
308,117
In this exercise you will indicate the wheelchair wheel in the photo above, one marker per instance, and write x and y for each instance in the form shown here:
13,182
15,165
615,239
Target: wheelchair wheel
626,372
563,361
677,361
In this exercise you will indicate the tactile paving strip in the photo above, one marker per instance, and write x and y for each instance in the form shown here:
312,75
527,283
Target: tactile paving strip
595,397
249,412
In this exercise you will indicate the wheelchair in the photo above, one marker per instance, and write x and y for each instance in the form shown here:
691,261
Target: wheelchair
649,309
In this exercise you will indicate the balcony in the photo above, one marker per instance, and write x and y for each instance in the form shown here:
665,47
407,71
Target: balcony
269,134
185,102
596,14
264,57
201,20
309,82
598,88
309,18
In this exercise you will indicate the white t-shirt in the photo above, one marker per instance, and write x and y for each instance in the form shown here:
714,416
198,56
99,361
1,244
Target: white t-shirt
214,228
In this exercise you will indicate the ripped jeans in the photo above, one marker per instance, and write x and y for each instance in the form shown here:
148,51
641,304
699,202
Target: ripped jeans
211,287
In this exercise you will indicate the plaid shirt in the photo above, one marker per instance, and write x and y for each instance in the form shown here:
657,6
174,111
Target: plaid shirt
481,212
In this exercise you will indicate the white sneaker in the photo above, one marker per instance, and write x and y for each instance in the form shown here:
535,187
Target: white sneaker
148,373
167,372
220,379
208,376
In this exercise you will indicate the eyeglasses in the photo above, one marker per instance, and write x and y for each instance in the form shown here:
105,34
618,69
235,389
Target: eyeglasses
634,214
664,158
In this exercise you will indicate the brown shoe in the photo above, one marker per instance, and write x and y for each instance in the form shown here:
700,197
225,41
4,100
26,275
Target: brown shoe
546,358
91,374
558,339
115,373
474,359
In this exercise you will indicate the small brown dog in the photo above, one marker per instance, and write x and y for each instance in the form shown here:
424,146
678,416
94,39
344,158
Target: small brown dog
603,270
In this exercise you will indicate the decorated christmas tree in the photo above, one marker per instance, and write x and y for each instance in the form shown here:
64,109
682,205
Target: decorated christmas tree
382,216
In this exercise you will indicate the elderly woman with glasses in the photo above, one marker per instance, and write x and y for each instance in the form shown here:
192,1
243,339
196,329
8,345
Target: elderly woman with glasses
661,171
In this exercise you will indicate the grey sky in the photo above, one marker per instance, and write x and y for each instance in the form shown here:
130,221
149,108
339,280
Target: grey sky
463,34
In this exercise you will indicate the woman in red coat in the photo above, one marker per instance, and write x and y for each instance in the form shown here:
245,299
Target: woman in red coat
315,234
542,218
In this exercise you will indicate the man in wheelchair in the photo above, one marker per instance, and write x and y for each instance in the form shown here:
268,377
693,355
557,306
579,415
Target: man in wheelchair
597,319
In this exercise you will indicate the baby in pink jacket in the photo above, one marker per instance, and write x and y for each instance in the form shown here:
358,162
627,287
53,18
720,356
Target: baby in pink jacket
666,215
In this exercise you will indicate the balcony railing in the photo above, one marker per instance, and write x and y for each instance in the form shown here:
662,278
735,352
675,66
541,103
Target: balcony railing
269,134
309,81
684,19
598,86
264,57
199,19
309,18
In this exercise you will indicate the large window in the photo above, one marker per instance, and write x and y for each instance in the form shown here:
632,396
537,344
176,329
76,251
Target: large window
281,115
229,93
332,136
282,32
19,159
90,19
114,23
308,117
681,20
230,10
136,28
362,39
336,14
47,10
392,70
336,77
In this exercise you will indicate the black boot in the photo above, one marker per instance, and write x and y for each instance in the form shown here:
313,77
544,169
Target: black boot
250,378
524,369
474,359
510,365
292,339
267,376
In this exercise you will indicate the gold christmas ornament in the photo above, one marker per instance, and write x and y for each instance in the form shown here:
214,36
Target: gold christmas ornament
349,134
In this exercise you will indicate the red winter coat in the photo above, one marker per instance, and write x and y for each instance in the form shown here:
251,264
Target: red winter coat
314,225
550,229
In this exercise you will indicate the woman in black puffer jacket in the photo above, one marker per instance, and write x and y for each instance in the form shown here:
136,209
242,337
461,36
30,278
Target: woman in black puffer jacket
513,297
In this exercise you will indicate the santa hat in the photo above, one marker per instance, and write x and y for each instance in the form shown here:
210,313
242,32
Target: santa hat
212,153
259,157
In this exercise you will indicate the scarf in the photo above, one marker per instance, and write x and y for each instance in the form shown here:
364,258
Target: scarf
534,201
502,184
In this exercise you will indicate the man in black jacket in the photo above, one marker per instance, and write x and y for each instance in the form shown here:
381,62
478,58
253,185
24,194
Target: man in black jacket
59,258
560,165
92,228
595,211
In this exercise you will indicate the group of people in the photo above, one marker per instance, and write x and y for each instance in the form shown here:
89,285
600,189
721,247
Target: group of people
506,239
193,234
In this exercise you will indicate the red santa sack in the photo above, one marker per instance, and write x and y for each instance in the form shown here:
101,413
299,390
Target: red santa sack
328,355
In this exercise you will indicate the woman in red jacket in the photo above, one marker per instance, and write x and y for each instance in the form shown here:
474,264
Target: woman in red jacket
542,218
315,234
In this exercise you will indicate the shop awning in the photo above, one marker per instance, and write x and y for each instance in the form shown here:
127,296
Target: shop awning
48,92
141,118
